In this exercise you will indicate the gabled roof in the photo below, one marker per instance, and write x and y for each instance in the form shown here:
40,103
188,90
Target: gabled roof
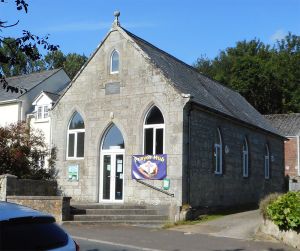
50,95
204,91
27,82
286,124
186,79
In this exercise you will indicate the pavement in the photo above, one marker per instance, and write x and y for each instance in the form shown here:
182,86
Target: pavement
242,226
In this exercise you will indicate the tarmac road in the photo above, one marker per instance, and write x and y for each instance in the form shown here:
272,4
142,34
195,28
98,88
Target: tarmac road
130,238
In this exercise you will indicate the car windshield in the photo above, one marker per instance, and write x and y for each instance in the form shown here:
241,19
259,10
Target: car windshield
31,234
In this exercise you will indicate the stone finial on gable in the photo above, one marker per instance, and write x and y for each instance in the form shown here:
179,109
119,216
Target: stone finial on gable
116,22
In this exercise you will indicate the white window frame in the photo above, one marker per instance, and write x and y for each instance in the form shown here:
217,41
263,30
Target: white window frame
40,112
245,159
154,127
111,57
75,132
218,150
267,162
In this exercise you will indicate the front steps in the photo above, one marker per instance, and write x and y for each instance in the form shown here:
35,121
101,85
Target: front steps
116,214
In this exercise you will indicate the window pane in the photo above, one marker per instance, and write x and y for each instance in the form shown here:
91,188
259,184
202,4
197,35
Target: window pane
115,62
119,178
80,144
46,113
159,141
113,139
76,122
148,142
218,158
155,117
71,145
106,177
39,114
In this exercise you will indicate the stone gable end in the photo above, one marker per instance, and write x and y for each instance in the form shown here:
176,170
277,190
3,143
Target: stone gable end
123,99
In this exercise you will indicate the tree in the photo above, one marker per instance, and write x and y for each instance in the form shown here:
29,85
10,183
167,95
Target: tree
26,44
23,65
22,152
71,62
266,76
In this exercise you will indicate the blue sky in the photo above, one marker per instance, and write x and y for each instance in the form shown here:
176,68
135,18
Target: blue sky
186,29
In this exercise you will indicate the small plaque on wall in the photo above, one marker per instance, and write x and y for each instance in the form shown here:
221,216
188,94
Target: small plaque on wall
73,173
112,88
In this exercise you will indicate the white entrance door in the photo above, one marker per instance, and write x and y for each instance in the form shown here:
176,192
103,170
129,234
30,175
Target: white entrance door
112,176
112,166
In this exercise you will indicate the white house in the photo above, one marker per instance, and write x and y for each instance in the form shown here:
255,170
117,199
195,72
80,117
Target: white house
15,107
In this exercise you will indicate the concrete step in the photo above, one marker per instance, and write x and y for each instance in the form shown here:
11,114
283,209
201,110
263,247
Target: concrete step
107,206
149,223
125,211
124,218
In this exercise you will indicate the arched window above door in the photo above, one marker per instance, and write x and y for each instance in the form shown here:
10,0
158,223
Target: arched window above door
113,139
154,131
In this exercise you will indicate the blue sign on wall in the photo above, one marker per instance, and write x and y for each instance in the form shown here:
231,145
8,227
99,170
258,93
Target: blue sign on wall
149,167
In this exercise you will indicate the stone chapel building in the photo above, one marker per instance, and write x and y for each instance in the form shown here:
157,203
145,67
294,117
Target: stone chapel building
132,98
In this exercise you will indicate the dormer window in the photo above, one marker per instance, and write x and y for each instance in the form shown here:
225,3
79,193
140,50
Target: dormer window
42,112
114,62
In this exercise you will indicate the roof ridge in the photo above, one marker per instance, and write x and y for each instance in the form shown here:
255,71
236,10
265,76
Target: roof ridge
32,73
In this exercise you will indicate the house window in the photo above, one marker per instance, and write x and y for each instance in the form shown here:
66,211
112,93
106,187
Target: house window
245,159
154,128
218,153
114,62
76,133
267,162
42,112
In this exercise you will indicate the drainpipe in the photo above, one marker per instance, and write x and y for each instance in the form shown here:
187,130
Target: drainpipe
189,154
298,153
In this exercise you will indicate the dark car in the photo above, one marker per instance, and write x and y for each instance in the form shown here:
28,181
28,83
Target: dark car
22,228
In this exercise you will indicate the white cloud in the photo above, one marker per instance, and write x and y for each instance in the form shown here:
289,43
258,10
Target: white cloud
278,35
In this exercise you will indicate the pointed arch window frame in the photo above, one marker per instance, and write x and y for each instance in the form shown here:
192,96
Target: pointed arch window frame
155,127
75,132
267,162
245,158
218,154
111,62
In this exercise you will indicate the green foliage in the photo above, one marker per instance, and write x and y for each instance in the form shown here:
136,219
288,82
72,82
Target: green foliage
71,62
268,77
23,151
265,202
285,211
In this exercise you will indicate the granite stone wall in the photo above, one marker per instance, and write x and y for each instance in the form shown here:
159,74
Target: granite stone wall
57,206
11,185
208,189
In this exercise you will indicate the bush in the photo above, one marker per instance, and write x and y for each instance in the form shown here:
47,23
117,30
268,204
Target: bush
265,202
285,211
23,151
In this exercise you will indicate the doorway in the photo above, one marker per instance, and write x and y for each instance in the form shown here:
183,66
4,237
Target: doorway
112,166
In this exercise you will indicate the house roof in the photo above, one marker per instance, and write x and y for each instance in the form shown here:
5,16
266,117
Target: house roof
286,124
27,82
52,96
204,91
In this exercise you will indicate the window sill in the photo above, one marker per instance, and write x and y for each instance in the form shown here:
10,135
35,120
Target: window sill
74,158
218,174
42,120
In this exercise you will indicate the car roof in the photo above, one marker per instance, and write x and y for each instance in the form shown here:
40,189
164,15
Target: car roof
11,210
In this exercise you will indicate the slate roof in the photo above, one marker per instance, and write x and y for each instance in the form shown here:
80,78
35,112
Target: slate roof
52,96
205,91
286,124
28,82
